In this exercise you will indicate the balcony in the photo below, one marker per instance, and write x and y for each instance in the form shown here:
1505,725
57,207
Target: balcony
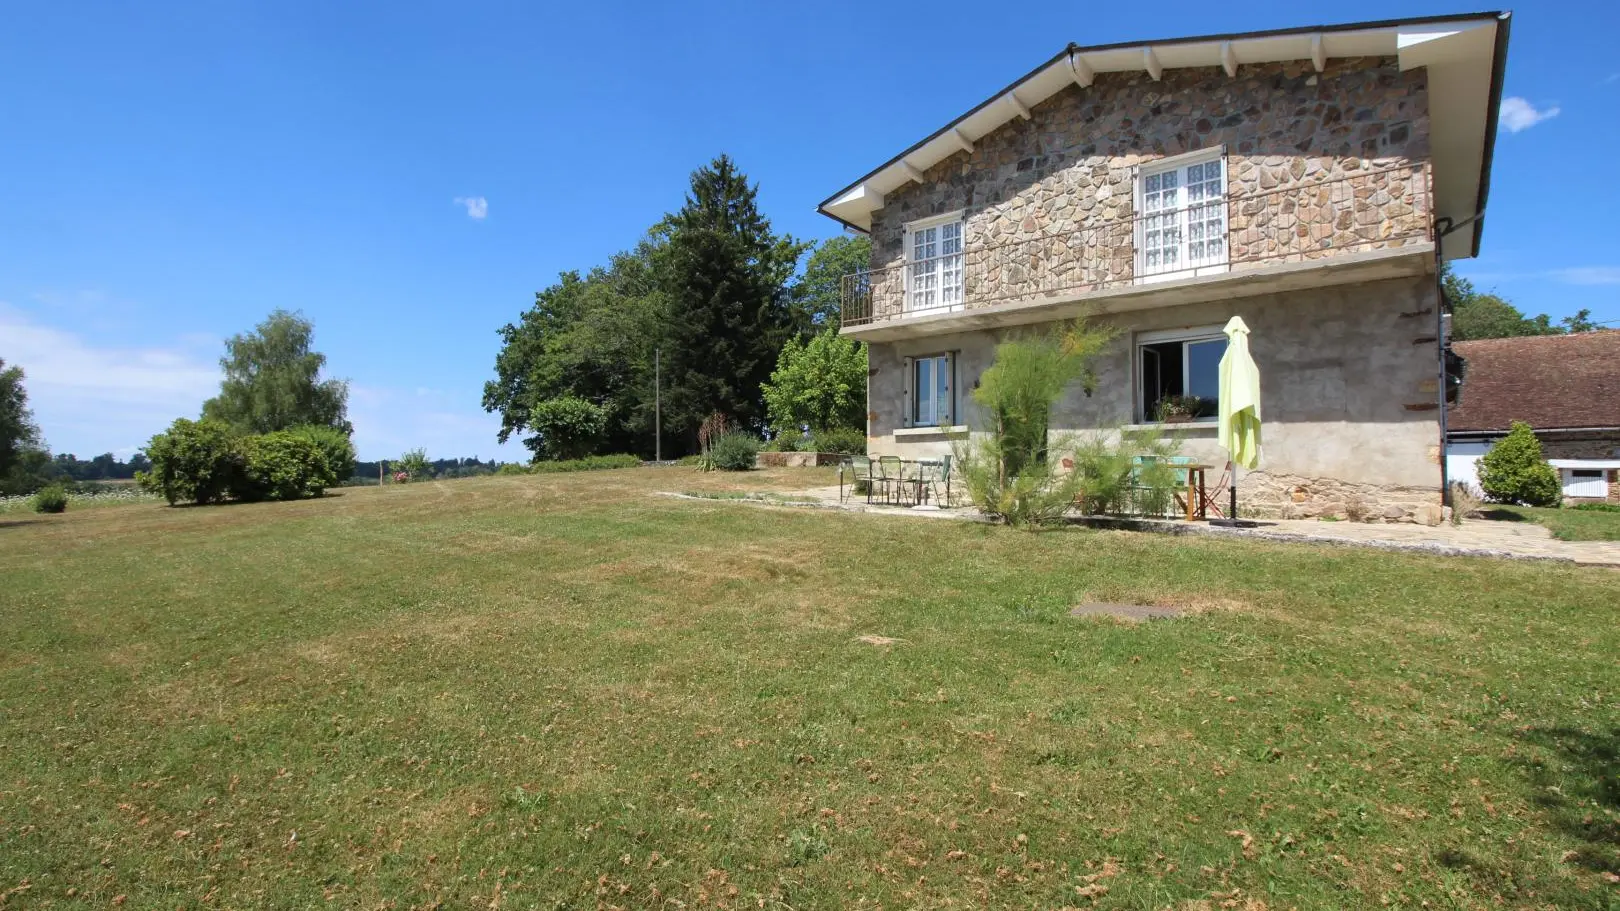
1353,227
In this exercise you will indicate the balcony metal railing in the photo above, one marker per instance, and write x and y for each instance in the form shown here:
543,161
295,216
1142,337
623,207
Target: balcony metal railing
1306,221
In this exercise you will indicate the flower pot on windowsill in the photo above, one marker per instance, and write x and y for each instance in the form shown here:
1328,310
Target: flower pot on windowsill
1176,419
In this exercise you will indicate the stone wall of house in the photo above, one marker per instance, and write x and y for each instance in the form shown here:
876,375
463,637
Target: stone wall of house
1317,164
1348,397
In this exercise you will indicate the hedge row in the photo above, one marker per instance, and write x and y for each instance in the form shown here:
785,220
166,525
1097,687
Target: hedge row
589,463
207,462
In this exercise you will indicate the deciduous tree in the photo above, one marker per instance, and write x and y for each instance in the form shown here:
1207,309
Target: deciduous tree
273,380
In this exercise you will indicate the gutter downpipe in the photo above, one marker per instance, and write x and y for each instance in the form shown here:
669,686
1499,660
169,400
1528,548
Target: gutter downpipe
1444,226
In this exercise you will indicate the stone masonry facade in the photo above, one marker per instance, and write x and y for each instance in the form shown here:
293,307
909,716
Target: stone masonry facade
1316,164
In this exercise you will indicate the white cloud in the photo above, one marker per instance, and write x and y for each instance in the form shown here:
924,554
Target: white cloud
1611,79
477,206
1588,275
1518,114
90,399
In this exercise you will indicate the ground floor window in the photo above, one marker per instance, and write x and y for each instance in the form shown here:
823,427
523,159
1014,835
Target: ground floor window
1179,374
1585,483
930,387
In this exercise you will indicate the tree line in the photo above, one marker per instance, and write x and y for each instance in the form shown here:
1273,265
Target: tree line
703,308
1478,314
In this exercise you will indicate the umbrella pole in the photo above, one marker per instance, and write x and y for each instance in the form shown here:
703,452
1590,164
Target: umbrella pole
1232,520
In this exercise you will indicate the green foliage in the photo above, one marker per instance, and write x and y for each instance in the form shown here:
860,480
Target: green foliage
843,440
283,465
1029,375
591,338
1476,315
821,383
1126,472
194,461
734,451
1007,473
414,464
818,293
723,273
51,499
511,468
272,380
336,447
589,463
792,440
566,428
17,430
1597,507
1514,471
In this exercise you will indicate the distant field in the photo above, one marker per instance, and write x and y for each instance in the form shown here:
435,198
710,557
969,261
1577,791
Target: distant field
565,692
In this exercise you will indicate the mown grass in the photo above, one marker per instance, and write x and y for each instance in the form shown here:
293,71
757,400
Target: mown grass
1565,524
564,691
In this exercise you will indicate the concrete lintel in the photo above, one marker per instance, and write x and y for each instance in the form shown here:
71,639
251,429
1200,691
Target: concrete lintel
1342,269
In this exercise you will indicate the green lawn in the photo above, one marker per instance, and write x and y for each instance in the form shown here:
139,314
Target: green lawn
567,692
1565,524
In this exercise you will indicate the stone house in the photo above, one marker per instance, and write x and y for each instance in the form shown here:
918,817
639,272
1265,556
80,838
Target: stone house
1308,180
1566,387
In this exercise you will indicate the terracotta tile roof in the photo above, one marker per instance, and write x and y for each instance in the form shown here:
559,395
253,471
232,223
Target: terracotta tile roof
1547,381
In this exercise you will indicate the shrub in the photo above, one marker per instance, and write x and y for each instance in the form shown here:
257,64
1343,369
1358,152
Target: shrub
1009,474
1465,501
51,498
1597,507
1514,471
819,383
413,465
283,465
511,468
589,463
792,440
335,446
1124,472
841,440
734,451
194,461
566,428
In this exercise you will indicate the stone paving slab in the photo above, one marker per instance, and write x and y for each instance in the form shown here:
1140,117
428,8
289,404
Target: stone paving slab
1475,537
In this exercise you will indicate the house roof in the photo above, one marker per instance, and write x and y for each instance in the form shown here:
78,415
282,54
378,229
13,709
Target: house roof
1551,382
1466,55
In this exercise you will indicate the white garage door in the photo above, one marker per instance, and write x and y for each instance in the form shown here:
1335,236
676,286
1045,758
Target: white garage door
1585,482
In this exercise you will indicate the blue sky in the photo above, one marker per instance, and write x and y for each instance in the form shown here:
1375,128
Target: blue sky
409,174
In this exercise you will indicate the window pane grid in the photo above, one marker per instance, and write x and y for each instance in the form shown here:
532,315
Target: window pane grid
1184,218
936,267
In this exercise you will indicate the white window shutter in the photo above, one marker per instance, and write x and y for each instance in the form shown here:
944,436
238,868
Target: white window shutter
906,411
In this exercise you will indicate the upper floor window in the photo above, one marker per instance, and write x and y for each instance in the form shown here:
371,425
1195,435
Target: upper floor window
1181,230
934,264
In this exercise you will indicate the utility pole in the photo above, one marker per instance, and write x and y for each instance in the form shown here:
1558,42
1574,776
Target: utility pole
658,407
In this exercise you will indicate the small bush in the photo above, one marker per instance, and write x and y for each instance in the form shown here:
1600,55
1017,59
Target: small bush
734,451
335,446
566,428
589,463
789,441
412,466
1465,501
840,440
284,465
511,468
1514,471
194,461
51,498
1597,507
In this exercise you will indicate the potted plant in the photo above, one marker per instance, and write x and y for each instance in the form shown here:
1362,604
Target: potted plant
1179,409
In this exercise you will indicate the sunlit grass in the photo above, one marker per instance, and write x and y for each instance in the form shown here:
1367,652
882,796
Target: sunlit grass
567,691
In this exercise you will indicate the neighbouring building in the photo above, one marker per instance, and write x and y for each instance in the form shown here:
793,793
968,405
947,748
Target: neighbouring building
1308,180
1566,387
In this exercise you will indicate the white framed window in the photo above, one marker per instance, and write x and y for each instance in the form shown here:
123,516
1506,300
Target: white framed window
934,264
931,390
1179,374
1181,224
1585,483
